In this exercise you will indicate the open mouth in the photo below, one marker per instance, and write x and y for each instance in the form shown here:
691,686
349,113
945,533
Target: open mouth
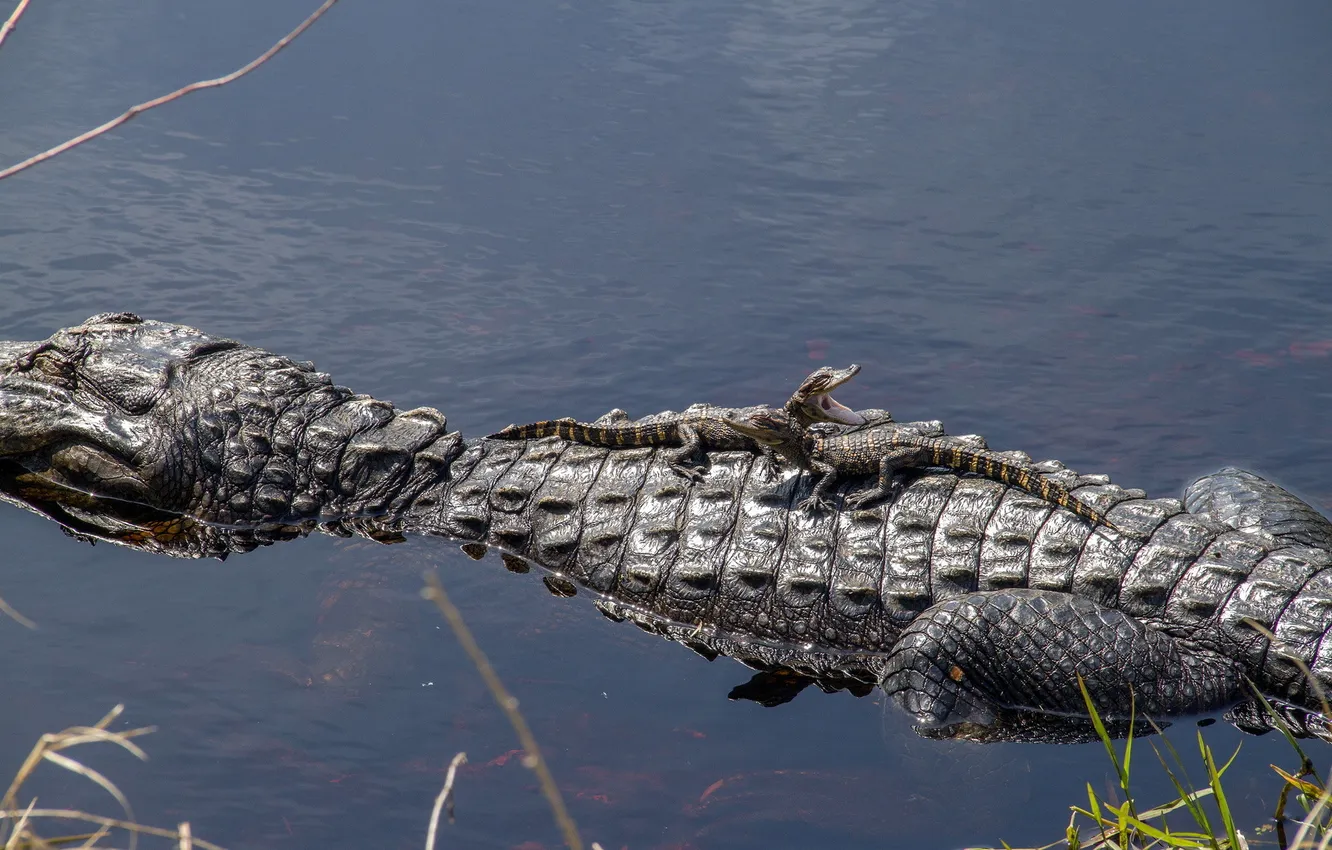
836,411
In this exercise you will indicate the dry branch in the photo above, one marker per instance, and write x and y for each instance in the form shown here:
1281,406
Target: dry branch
434,591
134,111
13,21
445,799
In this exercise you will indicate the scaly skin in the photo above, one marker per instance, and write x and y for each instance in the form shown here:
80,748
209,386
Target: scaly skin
701,428
882,450
974,604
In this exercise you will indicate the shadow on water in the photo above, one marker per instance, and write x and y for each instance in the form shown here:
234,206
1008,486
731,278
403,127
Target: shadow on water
1098,234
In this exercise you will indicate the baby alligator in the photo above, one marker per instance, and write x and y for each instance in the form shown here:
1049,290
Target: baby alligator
885,448
701,427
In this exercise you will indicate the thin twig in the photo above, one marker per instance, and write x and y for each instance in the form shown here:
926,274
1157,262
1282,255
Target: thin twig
445,797
10,612
167,98
434,591
13,21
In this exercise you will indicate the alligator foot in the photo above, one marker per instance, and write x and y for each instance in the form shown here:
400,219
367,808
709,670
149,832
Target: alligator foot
691,472
867,497
815,504
768,467
860,500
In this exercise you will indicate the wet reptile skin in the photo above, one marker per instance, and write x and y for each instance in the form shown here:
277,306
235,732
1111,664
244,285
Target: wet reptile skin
963,597
880,450
698,430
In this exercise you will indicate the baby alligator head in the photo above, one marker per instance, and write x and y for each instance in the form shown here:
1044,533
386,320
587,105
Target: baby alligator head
776,430
813,402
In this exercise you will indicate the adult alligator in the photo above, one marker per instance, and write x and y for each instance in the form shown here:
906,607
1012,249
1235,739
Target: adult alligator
977,606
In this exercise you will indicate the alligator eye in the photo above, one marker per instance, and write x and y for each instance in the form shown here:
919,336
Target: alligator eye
212,347
55,367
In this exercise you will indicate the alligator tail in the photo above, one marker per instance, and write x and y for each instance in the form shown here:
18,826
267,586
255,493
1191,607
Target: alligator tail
536,430
609,436
1000,469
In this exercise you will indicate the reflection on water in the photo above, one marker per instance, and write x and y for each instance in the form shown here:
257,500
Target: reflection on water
1094,233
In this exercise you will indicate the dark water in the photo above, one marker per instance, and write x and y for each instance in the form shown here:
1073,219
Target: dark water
1093,232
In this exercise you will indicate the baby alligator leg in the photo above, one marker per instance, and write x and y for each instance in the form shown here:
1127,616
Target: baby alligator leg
690,449
817,501
892,461
969,661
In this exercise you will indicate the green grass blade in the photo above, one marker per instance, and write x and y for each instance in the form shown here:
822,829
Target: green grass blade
1214,779
1128,742
1186,798
1175,805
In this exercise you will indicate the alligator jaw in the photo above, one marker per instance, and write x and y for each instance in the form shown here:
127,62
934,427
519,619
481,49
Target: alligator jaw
835,411
64,417
10,352
813,402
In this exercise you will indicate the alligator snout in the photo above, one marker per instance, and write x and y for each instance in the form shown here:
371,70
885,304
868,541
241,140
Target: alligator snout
10,352
36,415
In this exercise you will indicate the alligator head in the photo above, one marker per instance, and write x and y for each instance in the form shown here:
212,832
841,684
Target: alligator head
134,430
91,409
813,402
776,429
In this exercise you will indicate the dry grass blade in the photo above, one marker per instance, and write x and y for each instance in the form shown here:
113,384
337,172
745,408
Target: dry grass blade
13,21
18,829
20,835
111,823
7,609
434,591
88,773
97,836
445,798
134,111
50,744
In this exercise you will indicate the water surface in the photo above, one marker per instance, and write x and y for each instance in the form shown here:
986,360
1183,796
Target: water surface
1097,233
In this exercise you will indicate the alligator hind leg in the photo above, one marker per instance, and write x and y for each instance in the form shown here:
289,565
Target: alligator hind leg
972,660
888,466
614,416
691,446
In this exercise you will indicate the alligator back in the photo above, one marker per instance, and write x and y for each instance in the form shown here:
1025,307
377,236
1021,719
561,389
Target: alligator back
728,566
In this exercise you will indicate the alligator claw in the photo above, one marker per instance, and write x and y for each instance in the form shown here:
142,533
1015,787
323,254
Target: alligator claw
860,500
688,472
815,504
